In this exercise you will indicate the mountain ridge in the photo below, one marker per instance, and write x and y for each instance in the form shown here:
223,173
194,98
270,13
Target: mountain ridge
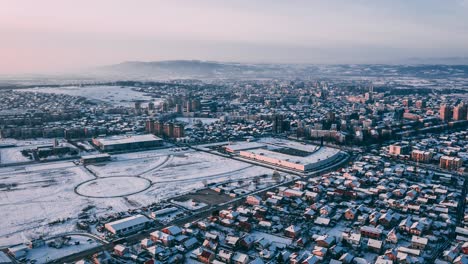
199,69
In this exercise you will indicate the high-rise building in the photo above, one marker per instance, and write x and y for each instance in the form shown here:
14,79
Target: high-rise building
149,128
450,163
278,124
158,128
445,112
196,105
165,107
189,107
178,131
421,156
399,149
460,112
399,112
151,106
168,130
178,108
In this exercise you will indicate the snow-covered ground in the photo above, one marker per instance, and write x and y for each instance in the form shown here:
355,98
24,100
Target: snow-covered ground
116,95
40,199
45,254
128,167
12,155
33,197
190,204
112,187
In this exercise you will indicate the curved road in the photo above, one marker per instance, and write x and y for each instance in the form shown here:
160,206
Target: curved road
195,216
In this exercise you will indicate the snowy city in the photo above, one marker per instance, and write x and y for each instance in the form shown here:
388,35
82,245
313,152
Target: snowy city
234,132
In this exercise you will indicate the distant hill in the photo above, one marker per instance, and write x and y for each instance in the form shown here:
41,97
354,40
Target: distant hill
440,60
195,69
184,69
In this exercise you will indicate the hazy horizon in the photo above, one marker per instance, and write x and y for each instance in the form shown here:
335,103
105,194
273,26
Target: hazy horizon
53,36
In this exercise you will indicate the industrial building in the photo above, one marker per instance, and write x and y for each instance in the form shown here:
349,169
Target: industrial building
117,143
90,159
128,225
286,153
316,160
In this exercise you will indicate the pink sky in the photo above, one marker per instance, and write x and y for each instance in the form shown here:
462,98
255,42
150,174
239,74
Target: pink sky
62,35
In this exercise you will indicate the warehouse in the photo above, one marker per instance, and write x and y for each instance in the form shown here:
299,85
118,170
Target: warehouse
89,159
117,143
128,225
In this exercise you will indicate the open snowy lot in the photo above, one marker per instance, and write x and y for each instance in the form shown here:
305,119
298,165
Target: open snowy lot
47,199
33,197
12,155
123,96
76,244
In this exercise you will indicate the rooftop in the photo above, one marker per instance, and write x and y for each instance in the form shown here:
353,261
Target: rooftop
116,140
127,222
320,155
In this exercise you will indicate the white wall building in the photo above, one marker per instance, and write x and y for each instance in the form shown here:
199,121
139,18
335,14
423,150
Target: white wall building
128,225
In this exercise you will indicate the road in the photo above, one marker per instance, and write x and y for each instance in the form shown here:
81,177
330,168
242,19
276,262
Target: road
459,218
134,238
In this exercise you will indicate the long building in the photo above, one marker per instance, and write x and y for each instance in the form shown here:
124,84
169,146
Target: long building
128,225
89,159
117,143
315,161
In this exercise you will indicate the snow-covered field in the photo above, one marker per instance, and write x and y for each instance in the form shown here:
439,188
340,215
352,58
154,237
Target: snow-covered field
117,95
128,167
32,197
112,187
46,254
40,199
12,155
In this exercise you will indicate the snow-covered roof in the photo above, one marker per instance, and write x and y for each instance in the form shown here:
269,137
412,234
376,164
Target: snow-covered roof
239,257
100,155
419,240
117,140
128,222
374,243
238,146
322,154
